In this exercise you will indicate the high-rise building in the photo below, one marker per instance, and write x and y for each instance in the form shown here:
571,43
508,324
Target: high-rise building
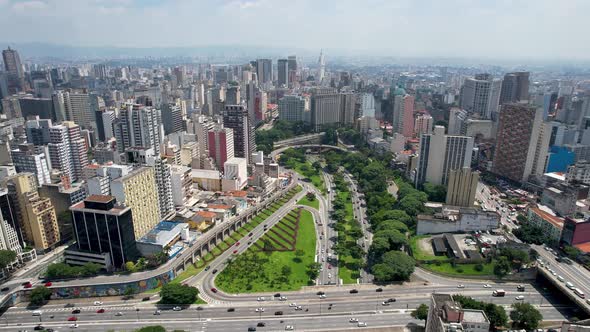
9,239
78,149
264,70
292,108
423,124
232,95
367,101
138,191
462,187
14,71
100,70
257,103
172,118
27,158
481,95
519,129
283,72
403,113
220,142
11,107
139,126
440,154
457,121
75,107
235,174
515,87
41,107
347,108
35,215
181,183
236,118
321,68
203,125
325,108
101,225
292,69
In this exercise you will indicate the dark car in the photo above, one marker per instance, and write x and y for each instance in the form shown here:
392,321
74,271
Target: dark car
39,328
214,271
214,290
231,309
208,267
278,295
251,329
5,289
379,290
147,298
391,300
353,291
261,324
278,313
520,288
320,293
26,283
76,311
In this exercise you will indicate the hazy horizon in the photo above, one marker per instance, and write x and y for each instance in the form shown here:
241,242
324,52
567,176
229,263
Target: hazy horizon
541,29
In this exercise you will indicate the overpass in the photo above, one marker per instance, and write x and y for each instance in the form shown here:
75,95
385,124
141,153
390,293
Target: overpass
574,274
170,269
278,151
309,138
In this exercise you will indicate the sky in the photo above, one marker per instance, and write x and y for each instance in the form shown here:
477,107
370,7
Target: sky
539,29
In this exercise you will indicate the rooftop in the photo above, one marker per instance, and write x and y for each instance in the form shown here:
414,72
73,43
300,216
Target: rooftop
585,247
100,198
474,316
163,233
545,215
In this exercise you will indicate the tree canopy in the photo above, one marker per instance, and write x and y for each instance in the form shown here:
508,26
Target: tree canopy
40,295
496,313
178,294
525,316
394,266
421,312
6,257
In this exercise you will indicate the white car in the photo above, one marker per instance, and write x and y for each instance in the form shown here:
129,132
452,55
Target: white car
289,328
74,326
323,296
353,320
384,303
261,298
292,304
461,286
177,308
97,303
298,307
361,324
259,309
119,314
519,297
283,298
487,286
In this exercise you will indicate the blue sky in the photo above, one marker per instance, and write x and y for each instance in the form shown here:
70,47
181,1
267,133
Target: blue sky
549,29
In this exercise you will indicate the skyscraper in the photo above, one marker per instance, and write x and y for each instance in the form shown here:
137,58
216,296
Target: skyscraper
325,107
367,105
403,113
516,141
515,87
321,68
172,118
292,68
423,124
462,187
283,72
440,154
257,103
14,70
236,118
232,95
264,70
481,95
26,158
220,142
292,108
139,126
347,108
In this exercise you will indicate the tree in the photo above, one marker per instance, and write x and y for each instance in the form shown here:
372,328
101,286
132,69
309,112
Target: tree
394,238
178,294
496,313
394,266
129,291
435,192
154,328
572,252
392,224
312,270
299,253
502,266
130,266
421,312
6,257
40,295
525,316
411,205
310,196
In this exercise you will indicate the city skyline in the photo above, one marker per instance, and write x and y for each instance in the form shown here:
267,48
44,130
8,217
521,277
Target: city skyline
546,29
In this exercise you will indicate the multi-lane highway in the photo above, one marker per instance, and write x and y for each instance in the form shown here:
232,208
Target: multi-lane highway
330,268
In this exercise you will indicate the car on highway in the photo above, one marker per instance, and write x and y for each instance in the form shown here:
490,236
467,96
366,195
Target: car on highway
251,328
259,309
519,297
214,271
72,319
214,290
208,267
76,311
385,303
353,291
231,309
237,244
320,293
73,326
298,307
157,313
391,300
261,324
250,235
283,298
38,328
293,304
520,288
5,289
461,286
177,308
361,324
145,298
289,328
119,314
379,290
48,284
28,285
235,252
487,286
277,295
37,313
100,311
278,313
353,320
97,303
323,296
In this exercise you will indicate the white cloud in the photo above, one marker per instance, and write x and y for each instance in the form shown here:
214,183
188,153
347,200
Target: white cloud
29,5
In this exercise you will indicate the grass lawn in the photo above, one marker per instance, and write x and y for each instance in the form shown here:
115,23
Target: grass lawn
314,204
266,275
312,175
208,257
468,269
419,254
190,271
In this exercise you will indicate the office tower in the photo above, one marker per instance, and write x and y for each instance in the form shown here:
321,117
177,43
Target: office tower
100,70
26,158
220,143
440,154
138,191
481,95
75,107
232,95
283,72
519,126
104,125
102,225
235,174
515,87
78,149
236,118
457,121
257,103
11,213
321,68
424,124
347,108
292,69
203,125
325,108
462,187
41,107
172,118
9,239
139,126
14,71
403,113
11,107
292,108
264,70
181,183
367,101
35,215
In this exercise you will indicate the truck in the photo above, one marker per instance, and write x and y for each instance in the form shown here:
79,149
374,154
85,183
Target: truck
498,293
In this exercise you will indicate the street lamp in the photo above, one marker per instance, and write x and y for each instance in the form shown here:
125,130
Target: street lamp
137,312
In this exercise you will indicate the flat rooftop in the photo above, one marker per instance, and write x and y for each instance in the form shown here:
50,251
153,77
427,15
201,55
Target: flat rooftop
163,233
474,316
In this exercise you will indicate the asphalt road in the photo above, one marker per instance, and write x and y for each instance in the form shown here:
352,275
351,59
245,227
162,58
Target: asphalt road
330,267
